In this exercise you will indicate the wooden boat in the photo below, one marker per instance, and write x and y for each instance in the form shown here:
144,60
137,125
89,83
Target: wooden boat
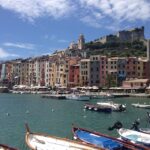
44,142
135,136
141,106
104,141
5,147
112,105
78,97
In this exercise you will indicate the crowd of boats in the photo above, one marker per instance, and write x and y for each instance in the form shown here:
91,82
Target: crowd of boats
134,138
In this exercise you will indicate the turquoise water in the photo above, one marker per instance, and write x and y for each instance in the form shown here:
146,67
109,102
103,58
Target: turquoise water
55,117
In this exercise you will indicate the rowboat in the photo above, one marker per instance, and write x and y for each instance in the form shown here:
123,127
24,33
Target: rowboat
135,136
5,147
104,141
141,106
37,141
112,105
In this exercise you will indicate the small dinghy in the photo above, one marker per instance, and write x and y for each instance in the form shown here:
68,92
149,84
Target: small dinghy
44,142
134,136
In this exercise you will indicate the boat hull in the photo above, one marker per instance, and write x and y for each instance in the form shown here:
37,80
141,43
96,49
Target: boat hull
44,142
5,147
134,136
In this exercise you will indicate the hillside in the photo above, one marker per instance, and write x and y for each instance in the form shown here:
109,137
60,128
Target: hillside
136,48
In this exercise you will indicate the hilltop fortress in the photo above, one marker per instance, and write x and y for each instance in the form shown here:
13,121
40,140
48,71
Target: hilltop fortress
135,34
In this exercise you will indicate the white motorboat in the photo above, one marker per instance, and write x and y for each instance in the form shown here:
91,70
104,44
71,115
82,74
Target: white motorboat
78,97
134,136
141,105
103,95
112,105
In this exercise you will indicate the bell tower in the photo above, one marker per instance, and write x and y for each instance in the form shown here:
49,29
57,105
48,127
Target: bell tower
81,41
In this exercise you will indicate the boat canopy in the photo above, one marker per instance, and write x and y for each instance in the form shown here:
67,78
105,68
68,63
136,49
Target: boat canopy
96,140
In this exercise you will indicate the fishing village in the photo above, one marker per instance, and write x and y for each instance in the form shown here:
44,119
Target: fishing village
75,75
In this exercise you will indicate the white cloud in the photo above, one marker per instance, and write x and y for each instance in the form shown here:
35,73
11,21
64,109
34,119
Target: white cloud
90,21
117,11
20,45
95,13
32,9
4,54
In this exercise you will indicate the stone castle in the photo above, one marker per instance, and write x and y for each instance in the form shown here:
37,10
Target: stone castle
123,36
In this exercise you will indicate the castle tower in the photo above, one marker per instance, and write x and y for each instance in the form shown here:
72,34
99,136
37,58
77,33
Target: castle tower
148,49
81,41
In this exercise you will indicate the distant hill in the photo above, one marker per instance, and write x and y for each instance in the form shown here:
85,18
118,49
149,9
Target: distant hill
136,48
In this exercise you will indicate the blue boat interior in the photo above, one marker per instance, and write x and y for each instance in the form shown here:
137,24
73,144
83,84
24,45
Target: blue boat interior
97,140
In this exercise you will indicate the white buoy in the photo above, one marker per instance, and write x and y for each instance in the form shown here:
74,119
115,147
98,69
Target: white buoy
7,114
27,112
84,116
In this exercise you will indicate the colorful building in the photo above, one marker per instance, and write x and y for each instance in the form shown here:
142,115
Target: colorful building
85,72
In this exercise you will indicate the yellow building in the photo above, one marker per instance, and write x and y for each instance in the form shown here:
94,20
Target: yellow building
84,72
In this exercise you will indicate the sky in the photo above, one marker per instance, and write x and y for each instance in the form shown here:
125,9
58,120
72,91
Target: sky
30,28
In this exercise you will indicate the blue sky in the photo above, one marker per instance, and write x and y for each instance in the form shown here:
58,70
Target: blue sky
34,27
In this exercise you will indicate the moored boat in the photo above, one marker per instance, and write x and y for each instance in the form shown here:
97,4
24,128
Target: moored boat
78,97
103,95
141,105
44,142
112,105
135,126
5,147
97,108
103,141
135,136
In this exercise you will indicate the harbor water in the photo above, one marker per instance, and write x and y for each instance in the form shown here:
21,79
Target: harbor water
55,117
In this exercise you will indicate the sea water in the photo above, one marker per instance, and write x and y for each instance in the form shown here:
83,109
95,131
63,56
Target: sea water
55,117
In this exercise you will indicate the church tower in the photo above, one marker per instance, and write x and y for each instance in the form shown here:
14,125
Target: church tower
81,41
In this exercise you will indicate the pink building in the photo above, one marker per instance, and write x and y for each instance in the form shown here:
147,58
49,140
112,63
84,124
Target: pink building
74,77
